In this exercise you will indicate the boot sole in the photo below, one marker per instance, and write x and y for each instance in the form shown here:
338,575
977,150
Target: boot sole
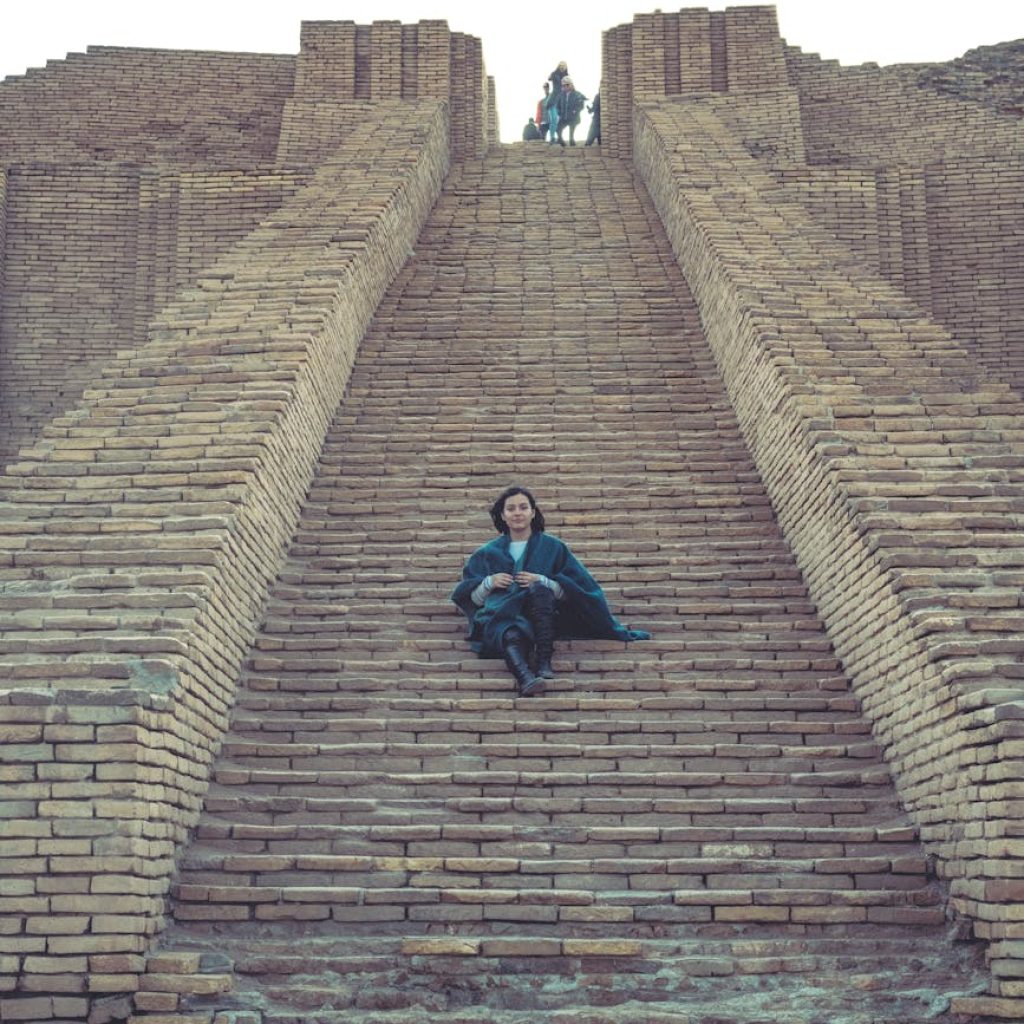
534,689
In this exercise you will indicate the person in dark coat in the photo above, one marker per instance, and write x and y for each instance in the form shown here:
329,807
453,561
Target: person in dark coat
530,132
570,105
525,588
594,134
555,78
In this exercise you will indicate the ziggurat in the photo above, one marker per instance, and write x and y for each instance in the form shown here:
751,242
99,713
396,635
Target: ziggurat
274,330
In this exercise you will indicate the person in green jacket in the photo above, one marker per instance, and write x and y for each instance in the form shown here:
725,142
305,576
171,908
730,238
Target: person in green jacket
525,588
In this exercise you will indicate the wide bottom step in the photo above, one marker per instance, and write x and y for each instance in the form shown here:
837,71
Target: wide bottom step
515,979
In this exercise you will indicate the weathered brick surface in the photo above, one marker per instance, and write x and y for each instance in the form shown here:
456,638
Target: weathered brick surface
921,183
129,172
341,61
870,116
894,476
138,535
703,818
942,179
705,805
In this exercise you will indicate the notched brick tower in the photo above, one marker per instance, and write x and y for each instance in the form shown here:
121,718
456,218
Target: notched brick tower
274,330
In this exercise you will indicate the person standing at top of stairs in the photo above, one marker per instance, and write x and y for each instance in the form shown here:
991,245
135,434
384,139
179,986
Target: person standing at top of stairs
570,104
526,587
555,78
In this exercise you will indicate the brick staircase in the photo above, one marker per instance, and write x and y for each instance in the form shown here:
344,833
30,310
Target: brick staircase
692,829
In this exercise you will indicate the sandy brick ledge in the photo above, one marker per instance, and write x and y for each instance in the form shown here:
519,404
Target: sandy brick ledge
896,474
136,542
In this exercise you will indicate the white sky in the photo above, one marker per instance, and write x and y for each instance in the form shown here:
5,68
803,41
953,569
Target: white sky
522,40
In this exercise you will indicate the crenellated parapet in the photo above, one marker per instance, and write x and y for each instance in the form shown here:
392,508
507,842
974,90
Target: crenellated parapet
692,52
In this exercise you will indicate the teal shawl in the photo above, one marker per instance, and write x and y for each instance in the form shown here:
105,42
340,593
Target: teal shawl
583,614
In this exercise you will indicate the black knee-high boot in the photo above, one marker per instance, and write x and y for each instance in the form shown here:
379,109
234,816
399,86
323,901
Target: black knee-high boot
540,608
513,643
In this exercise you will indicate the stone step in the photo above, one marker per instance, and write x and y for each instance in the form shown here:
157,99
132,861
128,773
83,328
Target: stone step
785,612
479,840
490,754
874,867
710,727
740,604
816,864
824,979
368,954
767,634
872,808
751,704
361,677
419,909
701,563
650,660
474,782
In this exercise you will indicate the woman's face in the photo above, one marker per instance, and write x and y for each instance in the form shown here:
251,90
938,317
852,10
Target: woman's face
517,514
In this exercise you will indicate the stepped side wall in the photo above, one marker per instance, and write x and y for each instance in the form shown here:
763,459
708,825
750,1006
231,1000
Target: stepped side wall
93,251
897,478
131,171
943,177
946,232
186,220
975,223
137,539
169,106
866,116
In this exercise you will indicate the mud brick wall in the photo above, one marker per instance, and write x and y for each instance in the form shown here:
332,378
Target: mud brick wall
93,250
617,91
67,299
904,245
864,116
975,226
3,224
187,219
136,542
341,61
170,106
493,127
880,214
895,473
844,200
692,51
469,97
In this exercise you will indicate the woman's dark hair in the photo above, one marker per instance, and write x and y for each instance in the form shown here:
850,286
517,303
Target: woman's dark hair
499,506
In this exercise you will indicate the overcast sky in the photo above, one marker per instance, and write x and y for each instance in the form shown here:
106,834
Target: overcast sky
522,40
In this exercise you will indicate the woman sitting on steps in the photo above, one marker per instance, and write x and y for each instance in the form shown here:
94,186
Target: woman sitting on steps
524,589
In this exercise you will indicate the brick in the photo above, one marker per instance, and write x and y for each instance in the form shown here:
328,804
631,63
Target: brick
602,947
441,947
520,947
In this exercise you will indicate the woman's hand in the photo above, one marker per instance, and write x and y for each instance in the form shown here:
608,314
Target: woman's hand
502,580
525,579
